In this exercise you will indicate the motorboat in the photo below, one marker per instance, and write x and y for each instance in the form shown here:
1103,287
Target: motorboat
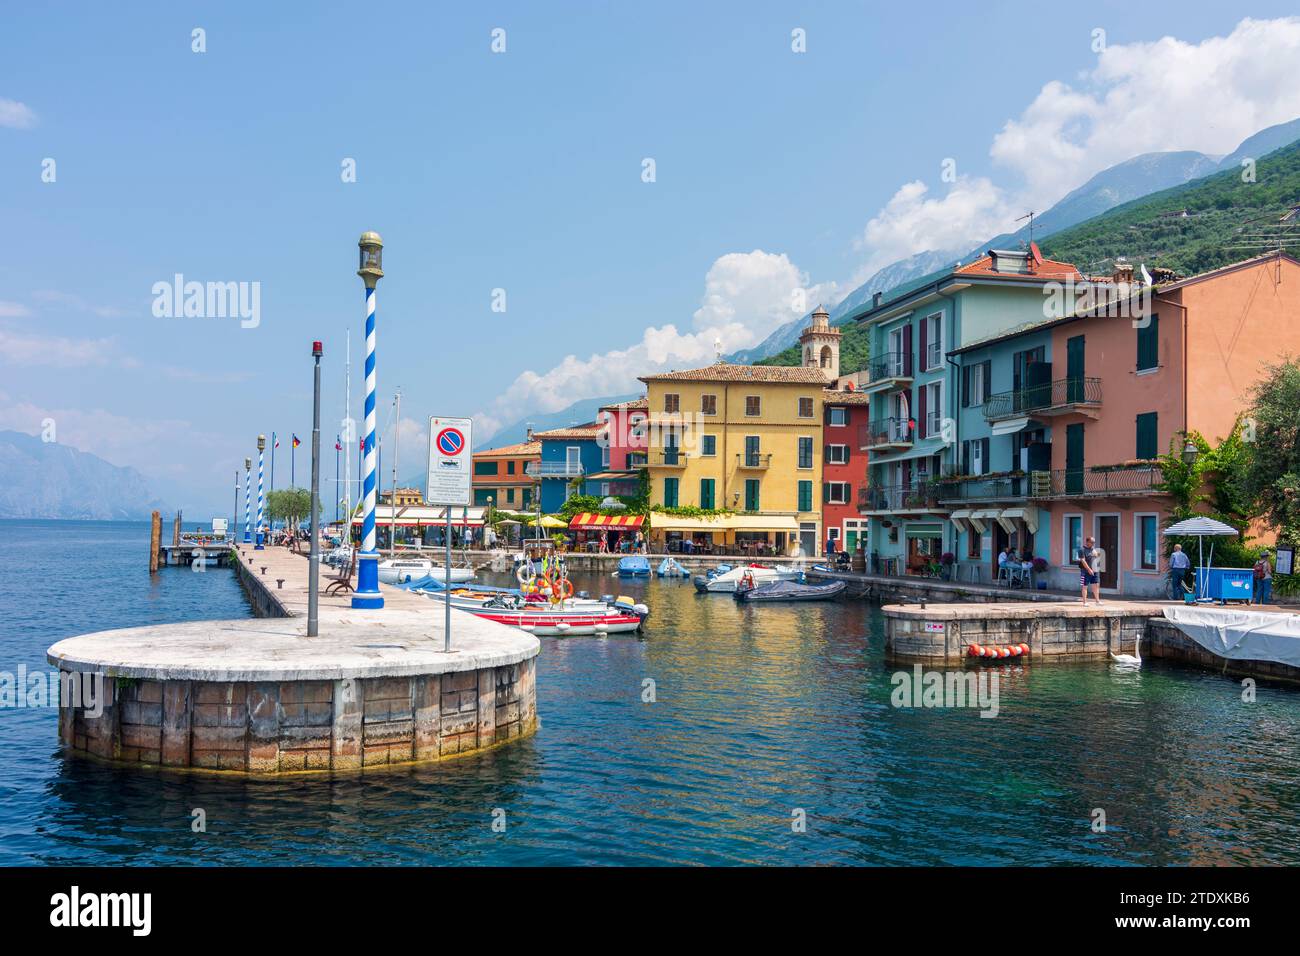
573,617
726,582
402,570
775,591
671,568
634,566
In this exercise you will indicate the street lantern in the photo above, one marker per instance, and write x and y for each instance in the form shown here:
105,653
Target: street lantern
371,269
1190,453
367,595
248,531
261,447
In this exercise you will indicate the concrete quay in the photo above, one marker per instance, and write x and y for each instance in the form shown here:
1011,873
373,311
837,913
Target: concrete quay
373,688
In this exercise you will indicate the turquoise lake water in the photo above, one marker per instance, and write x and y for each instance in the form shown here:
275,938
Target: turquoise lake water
760,713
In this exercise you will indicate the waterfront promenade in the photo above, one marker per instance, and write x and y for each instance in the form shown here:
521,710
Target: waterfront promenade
257,695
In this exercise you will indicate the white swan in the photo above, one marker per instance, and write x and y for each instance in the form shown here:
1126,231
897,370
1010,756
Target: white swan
1134,659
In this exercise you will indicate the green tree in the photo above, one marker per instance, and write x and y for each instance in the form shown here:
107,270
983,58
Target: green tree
290,505
1215,484
1272,475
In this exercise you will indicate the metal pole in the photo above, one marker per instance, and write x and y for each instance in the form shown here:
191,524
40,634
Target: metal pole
275,440
234,518
367,594
446,591
248,534
313,581
392,502
261,445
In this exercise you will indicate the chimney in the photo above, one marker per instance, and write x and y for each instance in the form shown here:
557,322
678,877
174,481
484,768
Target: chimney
876,299
1123,274
529,436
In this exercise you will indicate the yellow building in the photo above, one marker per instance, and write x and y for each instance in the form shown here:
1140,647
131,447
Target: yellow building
746,439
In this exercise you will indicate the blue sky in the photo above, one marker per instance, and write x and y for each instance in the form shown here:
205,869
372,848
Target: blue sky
520,171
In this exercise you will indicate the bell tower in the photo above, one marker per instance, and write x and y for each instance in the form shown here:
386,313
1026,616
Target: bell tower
821,345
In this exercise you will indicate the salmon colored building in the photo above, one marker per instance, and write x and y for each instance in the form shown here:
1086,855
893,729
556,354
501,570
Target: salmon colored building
1133,375
844,469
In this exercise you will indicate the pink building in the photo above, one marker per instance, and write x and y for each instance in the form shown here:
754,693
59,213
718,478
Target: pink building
623,446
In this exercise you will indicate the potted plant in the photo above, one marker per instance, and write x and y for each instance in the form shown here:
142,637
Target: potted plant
1039,570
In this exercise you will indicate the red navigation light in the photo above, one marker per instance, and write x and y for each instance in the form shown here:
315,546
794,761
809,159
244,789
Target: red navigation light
316,349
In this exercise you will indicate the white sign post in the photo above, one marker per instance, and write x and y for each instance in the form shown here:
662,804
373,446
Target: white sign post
450,482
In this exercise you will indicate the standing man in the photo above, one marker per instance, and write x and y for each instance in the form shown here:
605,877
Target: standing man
1263,579
1178,565
1090,570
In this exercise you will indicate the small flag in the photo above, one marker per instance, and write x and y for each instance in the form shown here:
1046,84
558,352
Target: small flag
275,442
338,444
296,443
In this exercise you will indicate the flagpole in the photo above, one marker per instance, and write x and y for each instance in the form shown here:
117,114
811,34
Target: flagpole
337,489
274,441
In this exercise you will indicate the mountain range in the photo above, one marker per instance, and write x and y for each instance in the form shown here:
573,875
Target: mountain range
41,479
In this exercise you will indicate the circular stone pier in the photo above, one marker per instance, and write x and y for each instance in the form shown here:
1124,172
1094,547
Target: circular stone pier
373,688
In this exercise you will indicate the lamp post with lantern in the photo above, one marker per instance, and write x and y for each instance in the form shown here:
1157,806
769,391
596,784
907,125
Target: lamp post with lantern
261,457
248,471
371,270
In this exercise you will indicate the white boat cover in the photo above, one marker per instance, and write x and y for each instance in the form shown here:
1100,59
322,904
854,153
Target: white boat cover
1241,635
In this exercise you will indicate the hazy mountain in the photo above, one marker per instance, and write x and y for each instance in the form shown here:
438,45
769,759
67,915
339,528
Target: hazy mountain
583,410
47,480
1262,143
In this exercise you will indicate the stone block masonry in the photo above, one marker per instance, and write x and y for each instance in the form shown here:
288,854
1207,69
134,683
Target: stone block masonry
373,689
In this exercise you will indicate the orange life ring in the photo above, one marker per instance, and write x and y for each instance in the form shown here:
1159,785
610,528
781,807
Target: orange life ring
561,589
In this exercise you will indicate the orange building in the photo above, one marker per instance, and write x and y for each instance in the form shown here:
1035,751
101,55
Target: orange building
501,475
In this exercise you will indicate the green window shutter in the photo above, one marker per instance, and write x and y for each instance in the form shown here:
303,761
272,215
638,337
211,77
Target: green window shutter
706,493
751,494
1146,435
805,496
670,492
1148,344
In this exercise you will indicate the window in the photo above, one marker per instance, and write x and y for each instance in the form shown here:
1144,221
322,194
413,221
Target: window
706,494
805,496
974,544
975,456
751,451
932,341
934,410
1146,436
510,467
485,467
1073,538
837,454
528,497
1146,542
838,416
708,445
1148,344
805,452
836,492
672,402
753,406
604,456
708,404
510,496
751,494
975,384
805,407
670,492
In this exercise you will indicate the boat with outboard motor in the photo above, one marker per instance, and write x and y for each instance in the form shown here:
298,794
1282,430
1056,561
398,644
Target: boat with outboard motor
404,570
571,617
774,591
726,582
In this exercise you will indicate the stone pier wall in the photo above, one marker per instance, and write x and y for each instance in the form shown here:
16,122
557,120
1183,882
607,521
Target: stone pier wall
945,637
1163,639
281,727
257,587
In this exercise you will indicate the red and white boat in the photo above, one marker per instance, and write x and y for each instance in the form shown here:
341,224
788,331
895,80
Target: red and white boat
572,618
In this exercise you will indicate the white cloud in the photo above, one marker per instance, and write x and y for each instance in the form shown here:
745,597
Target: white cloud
747,295
24,348
14,310
70,300
1140,97
16,115
1149,97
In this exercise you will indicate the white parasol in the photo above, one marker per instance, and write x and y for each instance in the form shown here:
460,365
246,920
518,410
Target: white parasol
1201,528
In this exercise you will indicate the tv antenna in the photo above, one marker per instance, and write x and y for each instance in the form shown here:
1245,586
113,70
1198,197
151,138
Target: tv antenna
1030,216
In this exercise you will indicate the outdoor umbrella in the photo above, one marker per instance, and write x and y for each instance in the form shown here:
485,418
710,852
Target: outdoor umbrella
1201,528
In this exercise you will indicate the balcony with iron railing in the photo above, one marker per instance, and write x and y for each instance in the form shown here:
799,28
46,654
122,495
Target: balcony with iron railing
886,435
892,369
670,458
1061,397
554,469
983,488
754,461
916,496
1098,481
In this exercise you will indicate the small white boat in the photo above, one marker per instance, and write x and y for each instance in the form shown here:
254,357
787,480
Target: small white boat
402,570
570,618
762,574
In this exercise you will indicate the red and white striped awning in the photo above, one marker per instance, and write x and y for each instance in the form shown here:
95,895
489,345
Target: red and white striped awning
588,520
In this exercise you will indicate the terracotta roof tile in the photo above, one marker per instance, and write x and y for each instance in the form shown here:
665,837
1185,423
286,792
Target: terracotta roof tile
588,430
727,372
521,450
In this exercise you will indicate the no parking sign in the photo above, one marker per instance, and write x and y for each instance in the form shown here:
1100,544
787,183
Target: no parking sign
450,456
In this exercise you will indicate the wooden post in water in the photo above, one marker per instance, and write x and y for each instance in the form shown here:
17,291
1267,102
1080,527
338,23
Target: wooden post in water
155,541
176,530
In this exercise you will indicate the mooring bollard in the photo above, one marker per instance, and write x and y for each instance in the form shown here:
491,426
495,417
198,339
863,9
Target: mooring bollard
279,583
264,570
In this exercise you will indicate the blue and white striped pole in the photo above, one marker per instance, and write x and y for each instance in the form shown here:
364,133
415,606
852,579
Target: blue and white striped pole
248,472
261,455
367,593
